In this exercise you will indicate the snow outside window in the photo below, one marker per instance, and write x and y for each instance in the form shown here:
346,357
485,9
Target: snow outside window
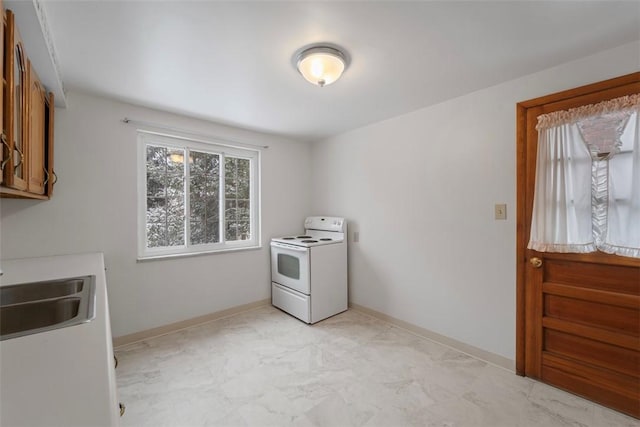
195,197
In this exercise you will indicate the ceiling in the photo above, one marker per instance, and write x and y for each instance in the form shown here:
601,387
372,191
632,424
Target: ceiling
231,62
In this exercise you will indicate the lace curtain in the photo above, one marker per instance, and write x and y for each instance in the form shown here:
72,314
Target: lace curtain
587,190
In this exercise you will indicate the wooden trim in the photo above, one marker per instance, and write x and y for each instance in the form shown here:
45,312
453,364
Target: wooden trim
595,258
582,90
521,244
173,327
522,110
478,353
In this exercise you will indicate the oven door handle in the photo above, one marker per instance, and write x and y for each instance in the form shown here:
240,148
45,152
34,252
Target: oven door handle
289,247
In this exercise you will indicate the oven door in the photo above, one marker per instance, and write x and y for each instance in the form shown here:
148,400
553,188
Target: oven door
290,266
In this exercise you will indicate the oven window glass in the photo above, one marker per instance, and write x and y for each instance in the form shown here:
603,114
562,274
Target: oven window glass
289,266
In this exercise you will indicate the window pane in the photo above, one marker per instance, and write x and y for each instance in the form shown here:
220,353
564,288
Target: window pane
155,184
243,229
289,266
165,196
156,234
197,232
231,232
237,191
156,159
175,232
243,210
243,178
230,210
175,160
156,210
213,230
204,192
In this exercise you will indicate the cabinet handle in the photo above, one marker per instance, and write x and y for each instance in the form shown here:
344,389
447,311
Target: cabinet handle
55,177
122,408
46,179
115,361
21,157
5,144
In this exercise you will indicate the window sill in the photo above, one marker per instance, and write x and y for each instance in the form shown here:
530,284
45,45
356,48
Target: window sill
194,254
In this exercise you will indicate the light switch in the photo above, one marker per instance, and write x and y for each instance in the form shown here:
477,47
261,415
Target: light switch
501,211
356,236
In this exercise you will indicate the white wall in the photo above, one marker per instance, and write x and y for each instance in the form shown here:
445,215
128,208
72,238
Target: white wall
420,189
94,209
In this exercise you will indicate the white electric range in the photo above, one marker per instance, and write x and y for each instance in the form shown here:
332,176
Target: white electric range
309,270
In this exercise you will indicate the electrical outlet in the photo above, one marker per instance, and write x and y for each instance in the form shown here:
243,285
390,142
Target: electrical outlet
501,211
356,236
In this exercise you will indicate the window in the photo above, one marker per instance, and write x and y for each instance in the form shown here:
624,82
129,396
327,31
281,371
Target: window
195,196
587,192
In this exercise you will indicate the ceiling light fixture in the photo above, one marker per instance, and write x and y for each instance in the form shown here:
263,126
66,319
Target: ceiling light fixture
321,64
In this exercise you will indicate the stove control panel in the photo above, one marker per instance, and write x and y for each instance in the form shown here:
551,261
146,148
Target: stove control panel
325,223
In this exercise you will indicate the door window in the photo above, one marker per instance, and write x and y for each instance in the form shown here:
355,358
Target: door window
587,192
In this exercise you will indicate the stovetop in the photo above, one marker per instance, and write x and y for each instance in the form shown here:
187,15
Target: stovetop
310,239
318,230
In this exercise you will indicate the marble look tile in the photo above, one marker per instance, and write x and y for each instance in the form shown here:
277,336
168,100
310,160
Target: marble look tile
265,368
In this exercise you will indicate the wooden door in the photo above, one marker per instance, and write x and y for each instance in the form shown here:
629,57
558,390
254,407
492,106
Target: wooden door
36,137
578,315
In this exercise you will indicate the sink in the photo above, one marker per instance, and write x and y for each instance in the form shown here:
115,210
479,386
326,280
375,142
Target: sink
39,291
31,308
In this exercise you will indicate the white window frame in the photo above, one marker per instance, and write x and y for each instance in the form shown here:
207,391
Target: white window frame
208,146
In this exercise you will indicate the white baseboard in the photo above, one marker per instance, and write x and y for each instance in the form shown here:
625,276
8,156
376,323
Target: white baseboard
487,356
173,327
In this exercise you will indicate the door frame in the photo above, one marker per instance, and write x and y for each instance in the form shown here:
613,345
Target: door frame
522,177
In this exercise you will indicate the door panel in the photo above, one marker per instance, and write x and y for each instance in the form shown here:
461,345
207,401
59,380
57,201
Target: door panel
591,352
578,314
591,313
599,275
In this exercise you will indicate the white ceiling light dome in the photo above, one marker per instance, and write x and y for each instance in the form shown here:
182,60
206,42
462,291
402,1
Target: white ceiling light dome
321,64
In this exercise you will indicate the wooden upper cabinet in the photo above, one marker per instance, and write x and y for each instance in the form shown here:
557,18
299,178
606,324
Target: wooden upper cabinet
27,117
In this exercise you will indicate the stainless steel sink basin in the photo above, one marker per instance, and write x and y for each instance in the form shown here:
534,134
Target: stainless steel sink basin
39,291
31,308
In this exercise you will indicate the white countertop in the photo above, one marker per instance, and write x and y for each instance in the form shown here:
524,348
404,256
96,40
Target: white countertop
63,377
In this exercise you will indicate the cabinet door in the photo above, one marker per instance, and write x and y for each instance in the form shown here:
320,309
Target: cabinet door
3,135
35,134
15,175
49,109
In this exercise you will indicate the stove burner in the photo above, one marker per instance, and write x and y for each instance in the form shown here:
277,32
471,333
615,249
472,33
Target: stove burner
303,237
288,238
309,241
325,239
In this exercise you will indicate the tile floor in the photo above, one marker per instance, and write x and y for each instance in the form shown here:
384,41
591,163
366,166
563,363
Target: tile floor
265,368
